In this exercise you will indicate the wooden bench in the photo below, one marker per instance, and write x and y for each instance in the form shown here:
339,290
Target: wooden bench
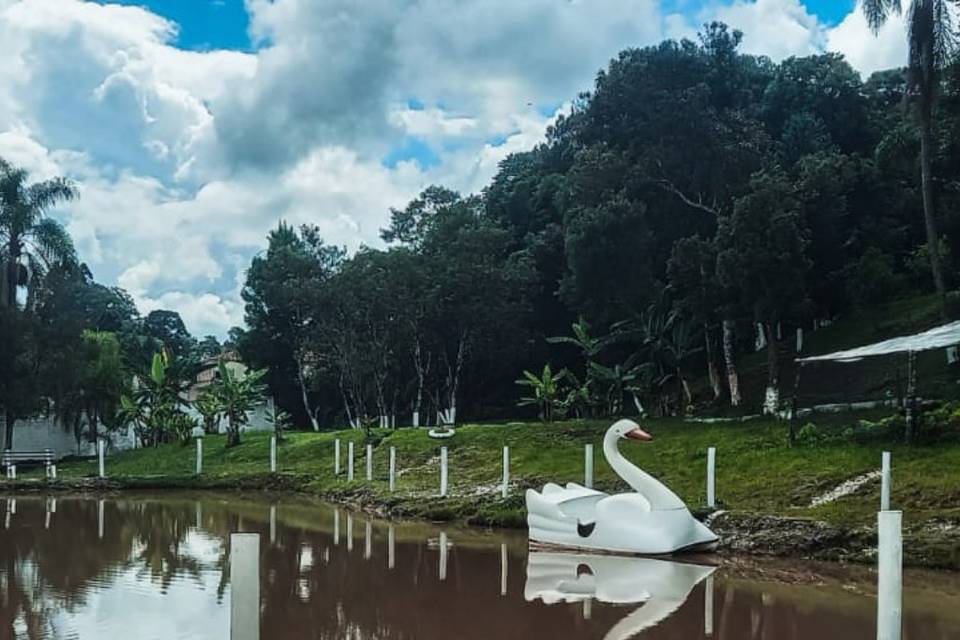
11,458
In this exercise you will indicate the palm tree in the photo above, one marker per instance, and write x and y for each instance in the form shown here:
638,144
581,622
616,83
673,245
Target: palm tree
26,234
931,41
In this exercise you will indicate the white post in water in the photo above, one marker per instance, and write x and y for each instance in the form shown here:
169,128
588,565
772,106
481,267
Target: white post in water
369,463
443,472
336,457
349,532
588,466
273,524
890,574
12,471
712,478
393,468
199,456
443,556
336,527
503,568
368,541
244,586
391,547
100,443
885,482
53,471
273,454
349,462
100,519
505,488
46,520
199,515
708,608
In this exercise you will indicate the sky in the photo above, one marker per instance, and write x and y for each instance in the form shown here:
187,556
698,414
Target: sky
191,127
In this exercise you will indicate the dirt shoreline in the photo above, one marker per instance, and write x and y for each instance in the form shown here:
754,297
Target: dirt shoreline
932,545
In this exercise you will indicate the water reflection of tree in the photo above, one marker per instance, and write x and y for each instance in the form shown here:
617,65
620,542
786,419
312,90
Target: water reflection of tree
161,531
50,569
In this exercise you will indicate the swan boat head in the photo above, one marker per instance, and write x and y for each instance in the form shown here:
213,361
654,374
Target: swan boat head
629,430
652,520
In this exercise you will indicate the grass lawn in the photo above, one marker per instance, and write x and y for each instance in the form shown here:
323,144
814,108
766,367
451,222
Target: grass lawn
756,471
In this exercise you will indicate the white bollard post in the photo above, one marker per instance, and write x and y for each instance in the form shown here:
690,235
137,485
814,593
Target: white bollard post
100,519
53,471
336,527
588,608
273,454
199,516
12,470
349,462
503,568
244,586
505,488
336,457
369,463
443,472
443,556
885,482
890,574
588,466
391,547
100,444
708,608
199,456
712,478
393,468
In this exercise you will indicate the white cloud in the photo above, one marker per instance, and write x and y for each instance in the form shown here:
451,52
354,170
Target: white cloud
186,159
869,52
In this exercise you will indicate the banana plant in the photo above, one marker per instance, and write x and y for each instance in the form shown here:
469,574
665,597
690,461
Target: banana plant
209,409
238,393
547,391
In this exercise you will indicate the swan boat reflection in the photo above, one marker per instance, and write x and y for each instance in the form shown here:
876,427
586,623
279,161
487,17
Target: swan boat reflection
660,587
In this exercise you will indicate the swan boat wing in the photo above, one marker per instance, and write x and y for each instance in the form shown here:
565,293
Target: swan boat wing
561,510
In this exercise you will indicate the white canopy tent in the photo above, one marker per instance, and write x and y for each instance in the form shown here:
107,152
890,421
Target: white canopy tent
941,337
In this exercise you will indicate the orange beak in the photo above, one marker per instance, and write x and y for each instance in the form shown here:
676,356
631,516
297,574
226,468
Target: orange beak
639,434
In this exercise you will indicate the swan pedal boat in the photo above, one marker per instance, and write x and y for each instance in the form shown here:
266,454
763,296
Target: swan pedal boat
652,521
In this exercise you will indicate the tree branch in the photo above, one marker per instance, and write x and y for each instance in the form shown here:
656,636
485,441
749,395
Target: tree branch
669,187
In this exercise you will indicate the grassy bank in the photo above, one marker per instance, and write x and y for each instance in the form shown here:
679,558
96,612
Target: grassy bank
756,472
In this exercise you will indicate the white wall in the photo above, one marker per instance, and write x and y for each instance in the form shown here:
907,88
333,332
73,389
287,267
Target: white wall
38,434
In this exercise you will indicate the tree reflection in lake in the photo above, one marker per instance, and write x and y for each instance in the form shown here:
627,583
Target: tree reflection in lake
162,570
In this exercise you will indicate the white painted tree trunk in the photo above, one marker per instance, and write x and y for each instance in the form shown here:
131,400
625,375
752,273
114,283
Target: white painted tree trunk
733,380
761,340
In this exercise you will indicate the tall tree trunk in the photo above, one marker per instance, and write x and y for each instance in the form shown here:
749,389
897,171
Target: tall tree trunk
11,271
733,380
929,207
771,402
712,374
9,420
304,397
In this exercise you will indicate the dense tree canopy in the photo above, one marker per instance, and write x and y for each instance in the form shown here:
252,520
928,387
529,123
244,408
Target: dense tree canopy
694,199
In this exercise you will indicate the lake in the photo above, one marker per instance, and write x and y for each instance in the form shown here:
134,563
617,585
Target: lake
159,566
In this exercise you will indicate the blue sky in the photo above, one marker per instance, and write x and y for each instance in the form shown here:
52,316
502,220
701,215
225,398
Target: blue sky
204,24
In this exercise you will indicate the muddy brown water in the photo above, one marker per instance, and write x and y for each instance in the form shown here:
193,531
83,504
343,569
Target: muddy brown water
158,567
